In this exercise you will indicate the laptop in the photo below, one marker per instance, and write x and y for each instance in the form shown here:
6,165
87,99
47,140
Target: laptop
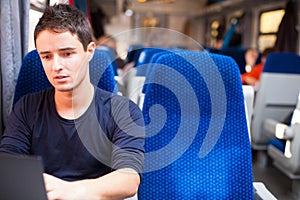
21,177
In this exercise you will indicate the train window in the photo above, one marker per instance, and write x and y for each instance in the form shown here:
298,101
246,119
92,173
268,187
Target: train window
36,10
269,23
34,16
217,29
38,5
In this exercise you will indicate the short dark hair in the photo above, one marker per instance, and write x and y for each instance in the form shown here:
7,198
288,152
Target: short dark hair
62,18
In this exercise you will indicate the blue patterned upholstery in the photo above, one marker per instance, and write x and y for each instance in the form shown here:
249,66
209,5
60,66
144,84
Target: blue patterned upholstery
144,60
112,55
32,77
197,144
102,66
153,60
133,52
151,67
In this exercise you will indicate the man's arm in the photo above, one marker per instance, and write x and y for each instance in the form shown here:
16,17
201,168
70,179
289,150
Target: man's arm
120,184
16,137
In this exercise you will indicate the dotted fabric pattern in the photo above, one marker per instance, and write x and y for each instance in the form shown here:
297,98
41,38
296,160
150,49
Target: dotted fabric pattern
32,77
151,66
144,60
226,171
102,71
111,55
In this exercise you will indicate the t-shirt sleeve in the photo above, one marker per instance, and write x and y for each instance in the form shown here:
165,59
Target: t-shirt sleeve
16,137
129,136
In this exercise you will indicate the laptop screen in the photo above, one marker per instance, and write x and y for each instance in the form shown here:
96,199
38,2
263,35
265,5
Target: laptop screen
21,178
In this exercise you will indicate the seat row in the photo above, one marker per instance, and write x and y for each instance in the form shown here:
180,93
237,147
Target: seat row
32,77
154,72
197,139
275,117
267,106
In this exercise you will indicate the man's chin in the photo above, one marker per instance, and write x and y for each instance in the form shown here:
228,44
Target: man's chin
64,89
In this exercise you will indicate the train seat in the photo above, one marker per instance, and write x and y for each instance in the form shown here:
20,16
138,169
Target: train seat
151,69
112,56
144,60
133,53
275,95
237,54
197,144
287,159
136,77
32,77
102,71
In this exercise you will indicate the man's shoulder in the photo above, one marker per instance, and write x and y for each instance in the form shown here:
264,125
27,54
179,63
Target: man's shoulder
33,99
109,96
114,100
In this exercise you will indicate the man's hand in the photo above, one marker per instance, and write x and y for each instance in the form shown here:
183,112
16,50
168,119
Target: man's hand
119,184
60,189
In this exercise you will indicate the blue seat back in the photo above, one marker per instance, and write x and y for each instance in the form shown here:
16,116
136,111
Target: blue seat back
112,55
32,77
144,59
197,144
237,54
286,63
102,71
153,63
133,52
282,62
278,88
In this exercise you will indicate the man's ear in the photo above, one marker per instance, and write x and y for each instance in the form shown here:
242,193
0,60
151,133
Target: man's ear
90,50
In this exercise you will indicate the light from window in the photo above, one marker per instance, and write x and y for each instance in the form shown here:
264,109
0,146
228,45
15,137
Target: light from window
269,21
269,24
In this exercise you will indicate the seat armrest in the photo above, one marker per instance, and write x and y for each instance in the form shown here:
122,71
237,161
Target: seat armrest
261,192
280,130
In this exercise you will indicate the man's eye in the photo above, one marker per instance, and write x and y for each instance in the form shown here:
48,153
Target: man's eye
68,53
45,57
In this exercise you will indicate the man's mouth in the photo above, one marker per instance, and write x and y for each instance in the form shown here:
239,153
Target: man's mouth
60,77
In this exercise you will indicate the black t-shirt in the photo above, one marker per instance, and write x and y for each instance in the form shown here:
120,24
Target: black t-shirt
108,136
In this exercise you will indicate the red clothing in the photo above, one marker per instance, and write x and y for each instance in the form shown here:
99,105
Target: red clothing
254,73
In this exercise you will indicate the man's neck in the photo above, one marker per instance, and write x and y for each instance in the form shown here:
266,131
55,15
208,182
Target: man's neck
72,104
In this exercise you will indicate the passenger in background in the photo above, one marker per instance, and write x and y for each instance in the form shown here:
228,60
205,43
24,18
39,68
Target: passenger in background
111,43
108,41
91,141
252,77
251,56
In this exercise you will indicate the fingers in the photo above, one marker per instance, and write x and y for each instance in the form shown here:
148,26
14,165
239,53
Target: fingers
55,187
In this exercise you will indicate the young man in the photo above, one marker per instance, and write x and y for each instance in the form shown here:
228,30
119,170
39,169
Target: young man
91,141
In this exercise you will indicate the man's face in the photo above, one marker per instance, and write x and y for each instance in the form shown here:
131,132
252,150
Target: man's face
64,60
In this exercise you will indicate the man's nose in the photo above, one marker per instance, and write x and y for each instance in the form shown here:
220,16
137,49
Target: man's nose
57,63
